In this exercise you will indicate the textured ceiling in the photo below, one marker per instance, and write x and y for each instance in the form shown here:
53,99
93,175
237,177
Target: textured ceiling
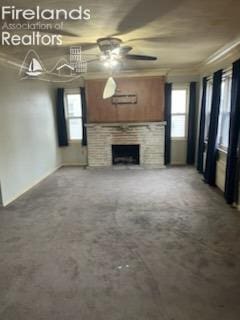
181,33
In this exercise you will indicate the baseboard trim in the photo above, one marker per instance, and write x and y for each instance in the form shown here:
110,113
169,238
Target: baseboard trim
50,172
74,164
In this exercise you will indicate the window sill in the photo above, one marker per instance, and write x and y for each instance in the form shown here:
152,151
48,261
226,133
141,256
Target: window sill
75,141
179,139
222,150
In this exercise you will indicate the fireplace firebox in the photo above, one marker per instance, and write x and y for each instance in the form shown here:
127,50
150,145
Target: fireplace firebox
126,154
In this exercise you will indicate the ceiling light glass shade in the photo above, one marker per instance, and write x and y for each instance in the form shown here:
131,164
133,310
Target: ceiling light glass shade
110,88
106,64
116,51
103,57
114,63
110,63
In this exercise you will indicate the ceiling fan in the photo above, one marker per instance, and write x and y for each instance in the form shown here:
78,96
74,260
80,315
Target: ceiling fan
113,54
111,48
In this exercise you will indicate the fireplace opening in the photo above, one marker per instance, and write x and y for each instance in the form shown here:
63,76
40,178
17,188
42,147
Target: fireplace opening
125,154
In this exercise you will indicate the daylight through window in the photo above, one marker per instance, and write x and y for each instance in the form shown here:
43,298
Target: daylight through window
179,113
74,116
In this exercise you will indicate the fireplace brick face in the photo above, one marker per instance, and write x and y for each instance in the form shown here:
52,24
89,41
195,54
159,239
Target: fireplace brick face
150,137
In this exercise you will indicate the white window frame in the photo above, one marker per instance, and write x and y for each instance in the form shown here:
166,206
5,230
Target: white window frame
208,109
186,88
225,100
68,118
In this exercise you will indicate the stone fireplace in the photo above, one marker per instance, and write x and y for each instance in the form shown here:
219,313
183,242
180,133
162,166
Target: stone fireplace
126,143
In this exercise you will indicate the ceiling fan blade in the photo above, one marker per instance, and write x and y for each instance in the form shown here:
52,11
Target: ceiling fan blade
156,10
139,57
88,46
125,49
85,46
110,88
61,32
151,39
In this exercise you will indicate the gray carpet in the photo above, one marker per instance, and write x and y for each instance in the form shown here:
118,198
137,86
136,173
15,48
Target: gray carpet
120,245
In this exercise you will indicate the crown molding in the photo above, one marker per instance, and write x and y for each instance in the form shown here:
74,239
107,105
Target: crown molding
183,71
222,58
127,73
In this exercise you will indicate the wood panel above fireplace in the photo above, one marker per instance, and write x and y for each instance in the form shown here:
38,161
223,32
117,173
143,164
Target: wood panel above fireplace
149,106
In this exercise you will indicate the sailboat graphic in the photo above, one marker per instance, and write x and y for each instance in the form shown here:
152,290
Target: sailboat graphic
35,68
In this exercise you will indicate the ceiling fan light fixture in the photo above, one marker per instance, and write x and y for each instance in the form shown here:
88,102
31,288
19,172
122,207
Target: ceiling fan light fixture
103,58
108,44
113,54
110,63
106,64
113,62
116,51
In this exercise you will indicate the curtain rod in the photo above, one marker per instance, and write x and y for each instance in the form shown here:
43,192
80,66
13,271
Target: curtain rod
226,72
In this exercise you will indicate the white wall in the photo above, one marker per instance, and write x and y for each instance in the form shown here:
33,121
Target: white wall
221,170
74,154
179,152
28,144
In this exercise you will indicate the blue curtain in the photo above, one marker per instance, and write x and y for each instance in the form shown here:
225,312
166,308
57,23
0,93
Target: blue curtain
61,120
202,126
211,160
168,104
192,124
231,183
84,116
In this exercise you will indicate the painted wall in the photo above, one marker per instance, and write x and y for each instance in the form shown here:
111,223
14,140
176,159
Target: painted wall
28,144
74,154
221,170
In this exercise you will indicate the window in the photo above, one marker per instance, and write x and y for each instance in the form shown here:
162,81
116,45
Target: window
179,113
74,115
224,116
208,107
